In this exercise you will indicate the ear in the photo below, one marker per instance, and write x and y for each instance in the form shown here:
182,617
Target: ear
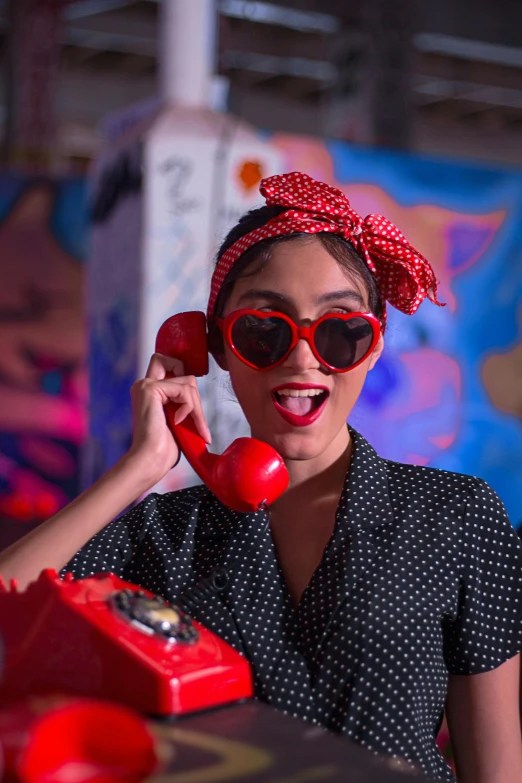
216,346
376,352
221,360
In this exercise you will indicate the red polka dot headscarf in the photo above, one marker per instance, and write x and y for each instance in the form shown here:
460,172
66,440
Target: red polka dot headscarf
404,277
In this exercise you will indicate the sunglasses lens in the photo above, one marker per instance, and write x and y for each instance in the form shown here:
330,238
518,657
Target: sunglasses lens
343,343
261,341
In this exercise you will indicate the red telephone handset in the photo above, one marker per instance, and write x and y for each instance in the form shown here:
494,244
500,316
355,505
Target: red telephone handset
249,473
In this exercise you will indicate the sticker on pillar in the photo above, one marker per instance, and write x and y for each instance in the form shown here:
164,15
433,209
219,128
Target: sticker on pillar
250,174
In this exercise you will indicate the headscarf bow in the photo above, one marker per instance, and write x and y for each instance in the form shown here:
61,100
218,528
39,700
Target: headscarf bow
404,277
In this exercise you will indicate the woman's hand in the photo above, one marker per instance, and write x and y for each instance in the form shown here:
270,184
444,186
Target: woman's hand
153,444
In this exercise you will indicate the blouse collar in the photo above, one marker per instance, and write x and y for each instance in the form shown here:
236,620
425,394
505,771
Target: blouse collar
365,501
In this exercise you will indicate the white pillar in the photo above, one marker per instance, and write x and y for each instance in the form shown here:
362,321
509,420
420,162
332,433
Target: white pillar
187,38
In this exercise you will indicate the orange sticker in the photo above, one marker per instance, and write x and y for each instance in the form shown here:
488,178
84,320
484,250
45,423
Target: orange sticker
250,174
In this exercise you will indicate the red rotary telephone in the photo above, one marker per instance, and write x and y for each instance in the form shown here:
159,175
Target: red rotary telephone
104,638
249,474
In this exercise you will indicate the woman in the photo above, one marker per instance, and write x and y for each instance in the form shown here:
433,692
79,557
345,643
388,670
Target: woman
378,593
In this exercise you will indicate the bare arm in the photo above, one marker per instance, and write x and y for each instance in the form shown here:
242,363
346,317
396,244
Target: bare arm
53,543
153,453
484,723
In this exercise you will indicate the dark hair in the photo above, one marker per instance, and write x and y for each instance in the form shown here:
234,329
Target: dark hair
339,248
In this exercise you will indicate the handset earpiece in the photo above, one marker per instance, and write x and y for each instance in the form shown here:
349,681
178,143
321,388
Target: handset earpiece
184,336
250,473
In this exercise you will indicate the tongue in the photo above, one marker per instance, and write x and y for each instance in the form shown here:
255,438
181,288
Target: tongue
301,406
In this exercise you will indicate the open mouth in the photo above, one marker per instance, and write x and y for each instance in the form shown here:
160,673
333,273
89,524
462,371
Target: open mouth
300,406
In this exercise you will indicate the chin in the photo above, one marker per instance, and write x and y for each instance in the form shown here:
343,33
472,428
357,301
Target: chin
298,445
298,452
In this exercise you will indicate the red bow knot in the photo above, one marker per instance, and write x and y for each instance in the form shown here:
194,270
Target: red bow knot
404,276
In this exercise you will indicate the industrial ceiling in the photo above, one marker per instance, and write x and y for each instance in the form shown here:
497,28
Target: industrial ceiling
304,67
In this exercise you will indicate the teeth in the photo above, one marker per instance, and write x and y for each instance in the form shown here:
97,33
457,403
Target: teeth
300,392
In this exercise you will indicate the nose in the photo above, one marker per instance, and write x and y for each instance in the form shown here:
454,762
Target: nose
301,358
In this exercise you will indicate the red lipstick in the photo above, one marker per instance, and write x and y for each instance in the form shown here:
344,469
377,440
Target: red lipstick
294,419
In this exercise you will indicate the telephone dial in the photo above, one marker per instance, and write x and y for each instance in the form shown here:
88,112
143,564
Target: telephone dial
249,474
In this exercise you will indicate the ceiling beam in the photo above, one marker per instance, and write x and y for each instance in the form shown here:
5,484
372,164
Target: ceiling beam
272,14
82,8
435,90
468,49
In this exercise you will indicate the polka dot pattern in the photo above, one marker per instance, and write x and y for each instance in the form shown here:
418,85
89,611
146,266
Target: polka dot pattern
405,278
421,579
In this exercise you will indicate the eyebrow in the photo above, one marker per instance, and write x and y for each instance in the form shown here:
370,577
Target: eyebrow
331,296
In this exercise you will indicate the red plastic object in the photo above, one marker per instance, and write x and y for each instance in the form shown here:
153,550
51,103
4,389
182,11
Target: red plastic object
185,336
66,636
78,741
249,473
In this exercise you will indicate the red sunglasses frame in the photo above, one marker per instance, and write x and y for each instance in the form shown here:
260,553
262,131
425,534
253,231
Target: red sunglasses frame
298,333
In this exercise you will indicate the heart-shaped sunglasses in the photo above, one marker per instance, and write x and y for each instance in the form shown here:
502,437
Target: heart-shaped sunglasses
262,340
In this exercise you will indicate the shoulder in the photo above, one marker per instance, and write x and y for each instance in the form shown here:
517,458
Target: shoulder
178,500
409,486
188,508
433,481
456,497
457,517
179,504
169,509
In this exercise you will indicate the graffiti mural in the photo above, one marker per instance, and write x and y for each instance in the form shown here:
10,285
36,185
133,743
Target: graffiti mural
42,376
448,389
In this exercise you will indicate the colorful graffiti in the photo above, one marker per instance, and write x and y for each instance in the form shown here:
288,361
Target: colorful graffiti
42,377
448,390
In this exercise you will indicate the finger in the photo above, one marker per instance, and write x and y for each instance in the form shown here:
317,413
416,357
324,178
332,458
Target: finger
184,410
192,407
182,393
175,389
178,369
160,365
199,417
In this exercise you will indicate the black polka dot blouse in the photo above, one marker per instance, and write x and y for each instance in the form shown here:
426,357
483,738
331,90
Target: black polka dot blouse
422,578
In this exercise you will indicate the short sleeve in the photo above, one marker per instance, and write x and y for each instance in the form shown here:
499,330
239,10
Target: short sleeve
487,629
113,548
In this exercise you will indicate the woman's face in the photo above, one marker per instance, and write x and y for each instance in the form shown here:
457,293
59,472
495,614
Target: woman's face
302,280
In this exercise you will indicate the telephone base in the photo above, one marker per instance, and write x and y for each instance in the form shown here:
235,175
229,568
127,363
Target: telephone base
105,638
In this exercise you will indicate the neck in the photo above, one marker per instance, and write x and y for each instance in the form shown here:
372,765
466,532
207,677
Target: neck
321,478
